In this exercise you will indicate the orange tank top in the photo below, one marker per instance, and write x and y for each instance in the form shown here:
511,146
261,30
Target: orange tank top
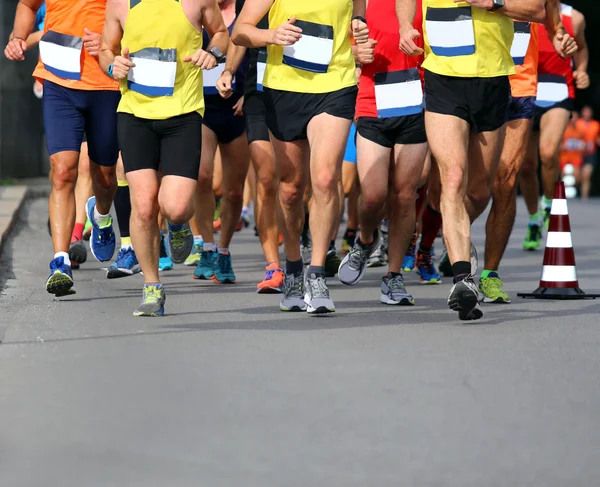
63,59
524,52
573,147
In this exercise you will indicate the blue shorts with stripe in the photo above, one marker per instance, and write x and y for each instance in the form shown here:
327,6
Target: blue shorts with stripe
350,154
70,114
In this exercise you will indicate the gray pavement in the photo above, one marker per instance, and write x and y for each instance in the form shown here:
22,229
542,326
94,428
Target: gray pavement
228,391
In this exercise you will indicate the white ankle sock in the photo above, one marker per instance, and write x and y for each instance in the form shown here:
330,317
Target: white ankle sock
210,247
223,250
65,256
100,219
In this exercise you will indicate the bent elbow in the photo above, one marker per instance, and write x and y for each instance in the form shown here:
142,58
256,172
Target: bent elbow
539,15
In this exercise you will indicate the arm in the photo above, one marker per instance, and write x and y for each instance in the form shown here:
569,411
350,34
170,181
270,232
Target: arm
23,27
563,43
360,31
34,39
213,22
406,11
110,49
235,55
526,10
582,56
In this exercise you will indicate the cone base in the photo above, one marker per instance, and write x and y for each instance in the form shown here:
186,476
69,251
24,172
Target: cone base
558,293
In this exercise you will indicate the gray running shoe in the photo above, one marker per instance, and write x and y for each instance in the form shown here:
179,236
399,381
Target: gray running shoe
316,295
394,292
474,260
354,266
464,298
378,257
153,302
181,242
293,294
78,252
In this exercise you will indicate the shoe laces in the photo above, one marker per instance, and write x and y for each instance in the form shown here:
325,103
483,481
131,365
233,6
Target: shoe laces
152,294
270,273
396,283
293,285
358,255
179,237
318,287
491,283
225,263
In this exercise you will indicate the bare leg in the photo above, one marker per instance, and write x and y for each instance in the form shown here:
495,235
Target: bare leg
552,128
586,180
83,188
528,178
61,204
205,197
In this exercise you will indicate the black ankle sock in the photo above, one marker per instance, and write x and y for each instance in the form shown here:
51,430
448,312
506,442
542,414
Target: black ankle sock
460,270
332,245
317,270
391,275
295,267
305,228
350,232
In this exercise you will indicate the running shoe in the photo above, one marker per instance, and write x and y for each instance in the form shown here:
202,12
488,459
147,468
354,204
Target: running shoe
445,266
394,292
164,262
354,266
474,260
293,293
547,212
273,281
410,259
348,242
205,269
306,247
125,265
533,237
245,219
316,295
102,240
426,269
194,257
60,282
239,226
378,257
153,302
224,270
464,298
217,225
181,242
77,252
332,263
87,230
491,289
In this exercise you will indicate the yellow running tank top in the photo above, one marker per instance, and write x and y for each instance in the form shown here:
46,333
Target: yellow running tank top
159,36
466,41
322,60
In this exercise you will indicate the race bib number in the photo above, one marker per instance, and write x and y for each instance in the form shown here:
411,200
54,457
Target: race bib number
154,72
313,52
61,54
450,31
552,89
398,93
520,43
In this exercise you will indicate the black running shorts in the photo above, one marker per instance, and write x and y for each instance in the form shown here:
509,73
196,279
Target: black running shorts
256,121
219,117
482,102
289,113
387,132
172,145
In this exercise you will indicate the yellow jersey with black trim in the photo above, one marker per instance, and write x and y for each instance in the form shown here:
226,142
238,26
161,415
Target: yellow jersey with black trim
159,37
466,41
322,60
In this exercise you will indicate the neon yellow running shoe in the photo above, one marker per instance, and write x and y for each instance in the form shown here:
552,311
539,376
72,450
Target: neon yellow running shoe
491,289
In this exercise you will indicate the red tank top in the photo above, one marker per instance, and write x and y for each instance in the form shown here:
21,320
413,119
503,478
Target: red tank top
550,63
395,73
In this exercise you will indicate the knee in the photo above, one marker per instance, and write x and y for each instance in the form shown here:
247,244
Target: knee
177,211
453,184
505,183
372,200
404,199
325,183
63,177
266,183
234,195
480,197
144,212
291,194
547,155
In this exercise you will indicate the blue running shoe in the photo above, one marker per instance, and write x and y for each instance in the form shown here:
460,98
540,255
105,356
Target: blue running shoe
426,269
408,264
206,267
164,262
102,241
60,283
224,270
125,265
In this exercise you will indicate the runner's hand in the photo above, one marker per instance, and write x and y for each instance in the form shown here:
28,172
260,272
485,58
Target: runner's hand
239,108
360,31
122,65
91,42
287,34
564,44
365,52
224,84
407,41
582,80
203,59
15,49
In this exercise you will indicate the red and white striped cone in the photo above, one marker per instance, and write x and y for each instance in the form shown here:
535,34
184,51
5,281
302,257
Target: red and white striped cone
559,273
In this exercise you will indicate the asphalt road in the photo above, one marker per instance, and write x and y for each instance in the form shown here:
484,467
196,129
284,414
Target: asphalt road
228,391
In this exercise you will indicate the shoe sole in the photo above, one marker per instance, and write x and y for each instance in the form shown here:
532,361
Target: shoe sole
496,301
269,290
406,269
165,269
467,305
225,281
190,264
204,277
385,299
150,315
117,273
293,309
431,282
78,254
321,310
60,285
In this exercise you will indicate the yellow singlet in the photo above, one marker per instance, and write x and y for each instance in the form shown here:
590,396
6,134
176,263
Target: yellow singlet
159,36
322,61
466,41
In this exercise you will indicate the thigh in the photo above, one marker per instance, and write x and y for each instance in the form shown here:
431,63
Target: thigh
181,145
292,161
176,188
101,126
484,157
373,165
235,159
64,123
327,137
263,160
140,145
515,144
552,128
209,153
408,165
143,189
448,138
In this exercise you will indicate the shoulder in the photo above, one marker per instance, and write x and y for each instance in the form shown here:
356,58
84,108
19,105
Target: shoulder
578,20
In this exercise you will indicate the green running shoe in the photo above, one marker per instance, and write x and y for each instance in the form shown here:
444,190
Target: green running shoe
194,257
532,237
206,266
153,302
491,289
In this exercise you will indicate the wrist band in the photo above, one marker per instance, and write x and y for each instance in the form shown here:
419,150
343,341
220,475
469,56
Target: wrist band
110,70
359,17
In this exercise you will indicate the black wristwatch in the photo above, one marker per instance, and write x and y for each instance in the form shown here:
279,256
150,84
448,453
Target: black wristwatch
498,4
359,17
217,54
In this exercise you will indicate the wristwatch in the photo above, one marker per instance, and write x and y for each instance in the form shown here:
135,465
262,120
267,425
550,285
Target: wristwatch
498,4
217,54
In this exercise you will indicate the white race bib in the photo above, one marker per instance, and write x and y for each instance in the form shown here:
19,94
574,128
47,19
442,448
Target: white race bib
520,43
450,31
154,72
398,93
313,52
552,89
210,78
61,54
261,67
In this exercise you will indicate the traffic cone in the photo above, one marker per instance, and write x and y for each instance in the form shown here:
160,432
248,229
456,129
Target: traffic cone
559,274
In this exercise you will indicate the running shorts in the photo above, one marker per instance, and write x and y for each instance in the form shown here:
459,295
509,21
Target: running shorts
567,104
255,113
219,117
172,145
350,154
481,102
70,114
289,113
387,132
521,108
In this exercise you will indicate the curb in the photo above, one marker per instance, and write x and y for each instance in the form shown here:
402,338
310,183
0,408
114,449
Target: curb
11,201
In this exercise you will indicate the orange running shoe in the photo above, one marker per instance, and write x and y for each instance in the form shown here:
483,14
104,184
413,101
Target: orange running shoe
239,226
217,225
281,239
273,281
